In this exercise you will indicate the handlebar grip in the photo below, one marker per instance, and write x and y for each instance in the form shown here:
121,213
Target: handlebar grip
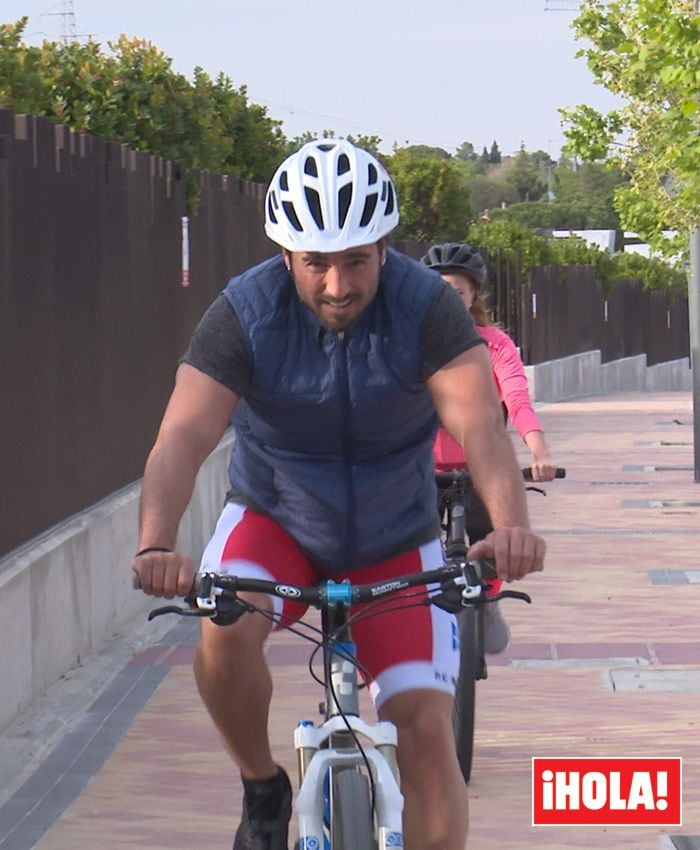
560,472
136,581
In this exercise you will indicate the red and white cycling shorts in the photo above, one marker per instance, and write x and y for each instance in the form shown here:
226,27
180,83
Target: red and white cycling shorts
403,650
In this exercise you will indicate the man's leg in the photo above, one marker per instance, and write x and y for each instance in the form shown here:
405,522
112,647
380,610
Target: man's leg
235,685
232,675
436,814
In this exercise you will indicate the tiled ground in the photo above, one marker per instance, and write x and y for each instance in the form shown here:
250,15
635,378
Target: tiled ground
568,686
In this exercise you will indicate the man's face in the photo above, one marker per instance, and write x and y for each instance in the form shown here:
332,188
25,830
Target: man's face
337,286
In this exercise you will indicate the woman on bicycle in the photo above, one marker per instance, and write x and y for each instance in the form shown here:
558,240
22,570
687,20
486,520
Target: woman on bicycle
464,269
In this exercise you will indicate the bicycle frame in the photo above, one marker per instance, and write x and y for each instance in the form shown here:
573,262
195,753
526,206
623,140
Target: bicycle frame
360,819
332,746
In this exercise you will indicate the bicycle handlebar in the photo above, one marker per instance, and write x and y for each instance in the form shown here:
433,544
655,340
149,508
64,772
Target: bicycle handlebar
455,476
459,582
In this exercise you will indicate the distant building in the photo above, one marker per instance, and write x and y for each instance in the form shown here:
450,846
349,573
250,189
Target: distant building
634,245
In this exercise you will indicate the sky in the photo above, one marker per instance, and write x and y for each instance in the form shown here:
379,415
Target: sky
438,73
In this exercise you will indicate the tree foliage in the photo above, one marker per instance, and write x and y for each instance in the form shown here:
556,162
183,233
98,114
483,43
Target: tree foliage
520,244
433,200
648,52
527,174
133,96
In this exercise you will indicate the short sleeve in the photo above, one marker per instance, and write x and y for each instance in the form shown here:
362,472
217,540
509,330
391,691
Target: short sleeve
219,349
448,330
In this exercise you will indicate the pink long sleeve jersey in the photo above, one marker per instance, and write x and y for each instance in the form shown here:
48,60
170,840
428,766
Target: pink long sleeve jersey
511,383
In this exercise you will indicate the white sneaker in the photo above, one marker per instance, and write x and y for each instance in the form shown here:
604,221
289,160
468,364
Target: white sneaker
496,629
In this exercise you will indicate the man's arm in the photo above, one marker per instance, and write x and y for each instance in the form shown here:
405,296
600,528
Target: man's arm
195,419
467,403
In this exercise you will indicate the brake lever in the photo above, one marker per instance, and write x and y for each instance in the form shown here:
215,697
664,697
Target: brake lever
510,594
177,609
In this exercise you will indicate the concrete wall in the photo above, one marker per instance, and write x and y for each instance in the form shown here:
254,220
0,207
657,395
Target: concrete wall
584,374
65,595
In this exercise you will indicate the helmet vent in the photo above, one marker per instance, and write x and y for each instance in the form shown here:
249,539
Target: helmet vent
292,216
372,174
343,164
270,210
326,148
368,211
390,200
314,202
344,201
284,182
310,167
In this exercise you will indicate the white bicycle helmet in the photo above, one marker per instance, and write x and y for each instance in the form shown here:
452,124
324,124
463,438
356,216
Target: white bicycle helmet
330,196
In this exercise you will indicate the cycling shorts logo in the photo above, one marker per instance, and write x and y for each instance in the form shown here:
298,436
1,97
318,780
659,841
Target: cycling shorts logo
394,839
310,843
288,591
606,791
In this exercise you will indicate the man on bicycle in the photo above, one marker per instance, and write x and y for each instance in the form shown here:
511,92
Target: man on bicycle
334,361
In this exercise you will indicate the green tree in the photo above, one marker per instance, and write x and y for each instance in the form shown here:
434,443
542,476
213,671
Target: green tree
428,152
466,152
495,153
433,202
583,213
133,96
527,176
488,193
648,52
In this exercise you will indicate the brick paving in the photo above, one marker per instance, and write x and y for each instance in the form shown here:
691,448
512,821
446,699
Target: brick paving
601,619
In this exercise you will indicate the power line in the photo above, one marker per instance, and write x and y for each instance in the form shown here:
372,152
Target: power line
371,130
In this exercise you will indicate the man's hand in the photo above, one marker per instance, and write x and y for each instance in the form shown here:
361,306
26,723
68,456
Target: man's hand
167,574
516,552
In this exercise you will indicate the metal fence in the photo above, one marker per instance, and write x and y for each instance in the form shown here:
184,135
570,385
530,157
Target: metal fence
557,311
93,316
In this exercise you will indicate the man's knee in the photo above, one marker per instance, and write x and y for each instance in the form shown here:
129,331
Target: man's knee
423,719
243,638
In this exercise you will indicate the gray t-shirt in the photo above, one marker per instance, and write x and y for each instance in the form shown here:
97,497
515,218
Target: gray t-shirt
219,349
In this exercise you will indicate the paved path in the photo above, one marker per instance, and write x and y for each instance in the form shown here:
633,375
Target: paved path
605,662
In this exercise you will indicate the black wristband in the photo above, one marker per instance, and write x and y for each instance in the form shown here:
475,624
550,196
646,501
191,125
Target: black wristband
152,549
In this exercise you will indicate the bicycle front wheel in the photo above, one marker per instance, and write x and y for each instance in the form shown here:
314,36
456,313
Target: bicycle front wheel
463,716
352,824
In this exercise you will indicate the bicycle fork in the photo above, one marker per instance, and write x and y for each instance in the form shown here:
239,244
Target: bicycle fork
333,746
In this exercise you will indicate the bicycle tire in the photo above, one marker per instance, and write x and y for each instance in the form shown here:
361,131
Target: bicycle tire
464,711
352,823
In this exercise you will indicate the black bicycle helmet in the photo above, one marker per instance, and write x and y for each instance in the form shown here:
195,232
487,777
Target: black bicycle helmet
457,256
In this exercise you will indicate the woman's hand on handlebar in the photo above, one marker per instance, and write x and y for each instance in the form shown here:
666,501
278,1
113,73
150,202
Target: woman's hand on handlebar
516,551
166,574
543,468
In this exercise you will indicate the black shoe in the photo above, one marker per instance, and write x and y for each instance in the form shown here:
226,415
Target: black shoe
267,808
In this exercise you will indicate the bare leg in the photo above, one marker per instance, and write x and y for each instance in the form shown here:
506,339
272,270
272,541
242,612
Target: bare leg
235,685
436,814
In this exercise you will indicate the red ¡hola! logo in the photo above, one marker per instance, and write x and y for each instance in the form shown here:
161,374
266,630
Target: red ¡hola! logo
606,791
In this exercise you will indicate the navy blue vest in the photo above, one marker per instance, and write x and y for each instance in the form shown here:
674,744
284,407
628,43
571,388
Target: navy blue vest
334,436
